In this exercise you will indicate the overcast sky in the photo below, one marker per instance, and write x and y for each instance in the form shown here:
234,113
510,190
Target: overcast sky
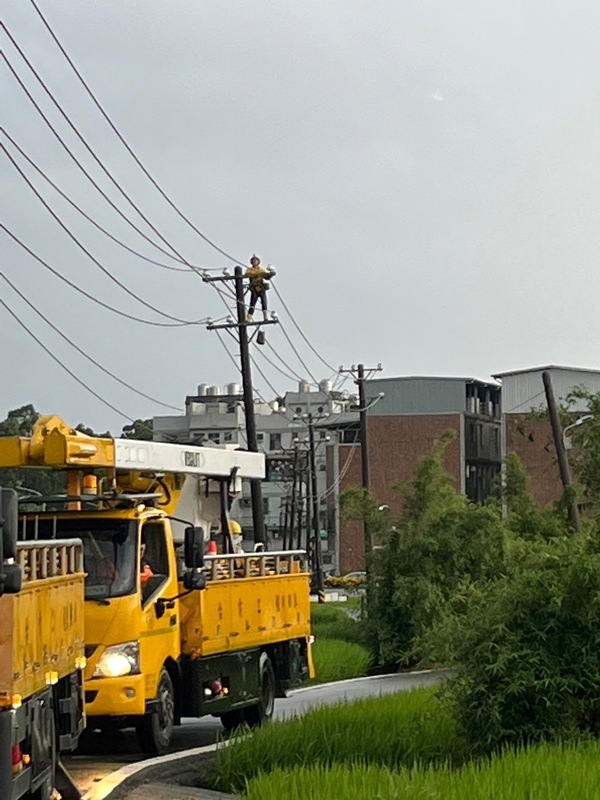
424,176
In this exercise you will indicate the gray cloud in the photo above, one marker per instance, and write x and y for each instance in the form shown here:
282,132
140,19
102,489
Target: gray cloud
437,236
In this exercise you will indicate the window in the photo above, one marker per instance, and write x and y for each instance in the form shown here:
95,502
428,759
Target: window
213,436
228,436
154,560
323,434
349,436
260,437
275,441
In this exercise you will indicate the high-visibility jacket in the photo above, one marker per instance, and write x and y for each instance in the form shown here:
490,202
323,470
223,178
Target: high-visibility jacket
257,276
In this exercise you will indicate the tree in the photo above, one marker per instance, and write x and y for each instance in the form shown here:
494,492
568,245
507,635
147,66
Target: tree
20,422
139,429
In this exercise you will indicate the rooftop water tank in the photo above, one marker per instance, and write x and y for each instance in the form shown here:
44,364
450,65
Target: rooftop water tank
303,386
234,388
202,389
213,391
326,385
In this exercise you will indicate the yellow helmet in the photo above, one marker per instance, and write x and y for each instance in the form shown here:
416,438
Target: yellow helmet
234,527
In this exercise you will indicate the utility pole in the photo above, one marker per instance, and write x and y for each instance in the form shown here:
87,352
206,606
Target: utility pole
300,503
557,435
358,373
318,554
293,499
242,326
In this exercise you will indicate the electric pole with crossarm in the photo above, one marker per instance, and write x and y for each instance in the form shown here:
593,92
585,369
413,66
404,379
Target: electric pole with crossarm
242,325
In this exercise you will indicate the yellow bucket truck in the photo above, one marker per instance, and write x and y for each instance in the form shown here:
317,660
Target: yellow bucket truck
172,628
41,657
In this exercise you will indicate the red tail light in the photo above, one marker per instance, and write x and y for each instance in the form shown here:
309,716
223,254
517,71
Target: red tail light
17,758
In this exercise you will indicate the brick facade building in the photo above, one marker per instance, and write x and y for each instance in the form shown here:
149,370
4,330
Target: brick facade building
531,439
402,428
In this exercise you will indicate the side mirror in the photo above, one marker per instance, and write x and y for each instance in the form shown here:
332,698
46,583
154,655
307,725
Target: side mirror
193,580
9,523
193,548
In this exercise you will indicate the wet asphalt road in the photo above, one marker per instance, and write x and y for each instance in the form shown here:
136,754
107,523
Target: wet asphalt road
122,748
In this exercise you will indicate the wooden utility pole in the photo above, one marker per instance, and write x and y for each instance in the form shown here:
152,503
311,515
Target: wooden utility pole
318,553
358,373
557,435
242,325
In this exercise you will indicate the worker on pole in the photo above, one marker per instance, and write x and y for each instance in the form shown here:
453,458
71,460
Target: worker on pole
259,286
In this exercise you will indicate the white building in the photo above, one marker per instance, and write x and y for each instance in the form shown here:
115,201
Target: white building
218,417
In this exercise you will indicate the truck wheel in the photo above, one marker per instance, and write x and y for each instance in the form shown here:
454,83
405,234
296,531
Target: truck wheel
233,719
154,729
263,711
45,791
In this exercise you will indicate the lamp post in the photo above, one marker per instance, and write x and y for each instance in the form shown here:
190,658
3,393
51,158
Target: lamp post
567,441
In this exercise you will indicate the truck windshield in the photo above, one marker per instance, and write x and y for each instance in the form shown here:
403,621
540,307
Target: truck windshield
109,552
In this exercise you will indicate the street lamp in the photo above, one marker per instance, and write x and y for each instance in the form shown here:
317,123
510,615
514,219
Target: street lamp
567,441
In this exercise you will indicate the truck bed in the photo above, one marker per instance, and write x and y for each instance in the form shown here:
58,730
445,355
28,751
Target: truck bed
41,627
250,600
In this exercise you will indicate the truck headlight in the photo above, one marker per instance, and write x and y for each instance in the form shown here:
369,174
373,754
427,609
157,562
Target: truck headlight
119,660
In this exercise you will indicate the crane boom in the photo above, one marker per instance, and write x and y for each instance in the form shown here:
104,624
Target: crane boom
54,444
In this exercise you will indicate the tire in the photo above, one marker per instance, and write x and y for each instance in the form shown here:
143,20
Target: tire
233,719
43,792
262,712
154,729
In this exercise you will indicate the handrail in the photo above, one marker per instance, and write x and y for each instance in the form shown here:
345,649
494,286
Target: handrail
50,559
253,565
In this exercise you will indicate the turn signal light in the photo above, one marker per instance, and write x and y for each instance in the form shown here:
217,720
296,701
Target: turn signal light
80,662
89,485
17,701
51,678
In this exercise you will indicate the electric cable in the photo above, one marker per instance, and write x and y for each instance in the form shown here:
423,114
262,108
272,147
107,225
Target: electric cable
275,353
274,365
123,140
82,351
100,266
74,158
300,359
90,150
301,332
86,216
87,294
64,366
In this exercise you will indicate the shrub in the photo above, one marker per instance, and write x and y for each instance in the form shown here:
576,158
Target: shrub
528,648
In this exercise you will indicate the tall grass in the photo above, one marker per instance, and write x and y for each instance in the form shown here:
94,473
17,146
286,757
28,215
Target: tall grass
544,772
389,731
329,622
336,660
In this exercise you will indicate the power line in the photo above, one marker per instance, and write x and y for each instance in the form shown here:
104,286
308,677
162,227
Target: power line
301,332
64,366
87,294
90,150
275,353
86,216
81,351
100,266
124,142
74,158
300,359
